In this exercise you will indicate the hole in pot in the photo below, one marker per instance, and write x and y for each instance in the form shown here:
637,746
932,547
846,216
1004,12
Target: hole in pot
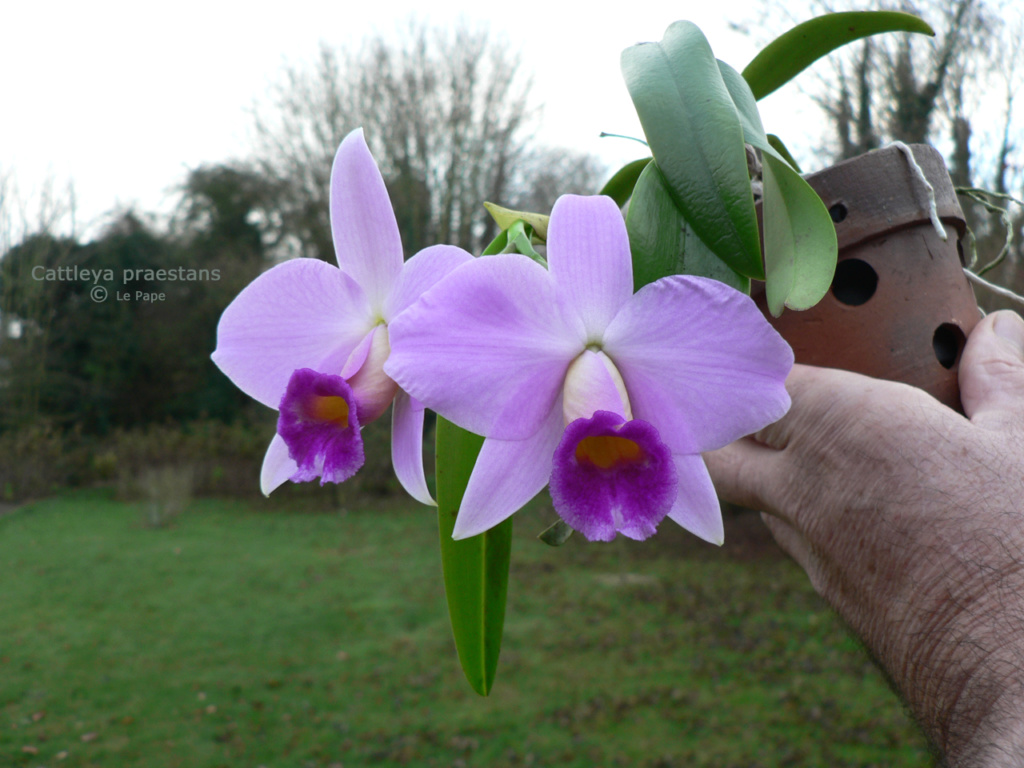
948,342
854,283
960,253
837,212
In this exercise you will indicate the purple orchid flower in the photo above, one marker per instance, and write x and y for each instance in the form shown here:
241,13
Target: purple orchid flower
311,339
575,380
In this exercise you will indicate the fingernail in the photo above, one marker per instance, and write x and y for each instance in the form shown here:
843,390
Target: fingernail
1009,326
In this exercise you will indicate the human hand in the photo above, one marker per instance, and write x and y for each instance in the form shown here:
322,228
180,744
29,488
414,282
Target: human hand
907,518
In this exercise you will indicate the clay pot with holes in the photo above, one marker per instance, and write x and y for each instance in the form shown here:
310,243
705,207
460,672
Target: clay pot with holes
900,307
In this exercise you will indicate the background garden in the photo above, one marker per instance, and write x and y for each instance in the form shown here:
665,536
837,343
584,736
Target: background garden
157,611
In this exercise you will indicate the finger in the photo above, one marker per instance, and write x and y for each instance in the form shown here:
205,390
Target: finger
795,544
754,472
992,372
789,539
742,473
800,385
819,396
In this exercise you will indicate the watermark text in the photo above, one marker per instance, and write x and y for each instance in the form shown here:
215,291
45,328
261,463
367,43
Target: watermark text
83,275
99,292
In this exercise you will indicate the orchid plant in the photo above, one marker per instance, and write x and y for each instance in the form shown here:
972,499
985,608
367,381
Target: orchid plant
601,369
311,340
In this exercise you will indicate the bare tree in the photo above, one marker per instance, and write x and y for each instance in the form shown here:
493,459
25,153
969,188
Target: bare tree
46,215
956,91
445,114
904,86
545,173
36,233
50,209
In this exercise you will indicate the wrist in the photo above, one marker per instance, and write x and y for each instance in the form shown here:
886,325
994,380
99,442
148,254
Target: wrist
986,727
963,669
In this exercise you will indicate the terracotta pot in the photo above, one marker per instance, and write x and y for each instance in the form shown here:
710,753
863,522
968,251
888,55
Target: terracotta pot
900,307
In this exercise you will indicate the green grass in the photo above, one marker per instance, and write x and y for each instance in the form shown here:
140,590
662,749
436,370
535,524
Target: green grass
247,636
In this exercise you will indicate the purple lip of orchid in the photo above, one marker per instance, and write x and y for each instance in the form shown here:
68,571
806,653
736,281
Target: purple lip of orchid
318,423
612,475
307,314
548,361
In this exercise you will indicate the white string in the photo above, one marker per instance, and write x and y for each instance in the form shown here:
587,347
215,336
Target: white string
933,210
999,290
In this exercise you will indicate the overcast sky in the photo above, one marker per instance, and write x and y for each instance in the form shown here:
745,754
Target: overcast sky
122,98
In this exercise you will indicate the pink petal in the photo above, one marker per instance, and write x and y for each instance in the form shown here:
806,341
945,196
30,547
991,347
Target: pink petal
700,362
277,466
487,347
592,384
420,273
303,313
358,356
366,238
696,507
407,447
508,474
374,390
588,254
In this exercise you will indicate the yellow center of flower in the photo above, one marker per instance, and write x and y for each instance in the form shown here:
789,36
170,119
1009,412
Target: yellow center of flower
330,408
608,451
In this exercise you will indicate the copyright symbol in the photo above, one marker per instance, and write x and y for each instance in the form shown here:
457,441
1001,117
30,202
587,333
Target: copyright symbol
98,293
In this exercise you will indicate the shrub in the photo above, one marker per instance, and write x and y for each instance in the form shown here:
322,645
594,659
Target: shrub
167,491
37,459
219,460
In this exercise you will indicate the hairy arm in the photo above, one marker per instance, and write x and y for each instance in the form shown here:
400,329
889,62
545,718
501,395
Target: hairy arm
909,519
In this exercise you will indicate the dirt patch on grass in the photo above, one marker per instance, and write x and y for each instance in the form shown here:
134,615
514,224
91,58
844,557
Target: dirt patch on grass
747,537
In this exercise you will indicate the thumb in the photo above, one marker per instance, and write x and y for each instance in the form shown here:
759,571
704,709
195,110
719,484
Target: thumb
992,372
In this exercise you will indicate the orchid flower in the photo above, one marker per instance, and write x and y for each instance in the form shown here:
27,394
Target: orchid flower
311,339
576,381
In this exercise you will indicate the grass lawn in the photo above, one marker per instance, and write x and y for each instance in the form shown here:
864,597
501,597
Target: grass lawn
249,636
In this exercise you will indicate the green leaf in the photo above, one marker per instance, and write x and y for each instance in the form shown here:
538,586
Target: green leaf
799,240
505,217
800,246
620,186
663,243
746,107
778,146
694,133
475,569
497,245
789,55
518,238
520,241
